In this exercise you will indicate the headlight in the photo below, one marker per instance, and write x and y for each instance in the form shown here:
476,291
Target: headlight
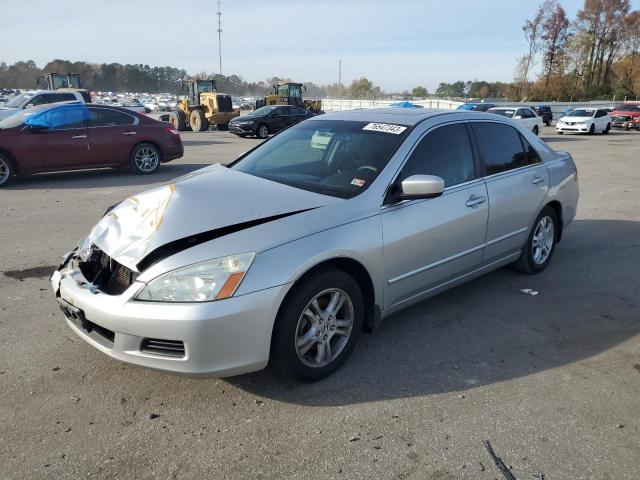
201,282
245,122
583,123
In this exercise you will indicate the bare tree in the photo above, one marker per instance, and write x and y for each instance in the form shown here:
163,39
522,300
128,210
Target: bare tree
555,32
532,29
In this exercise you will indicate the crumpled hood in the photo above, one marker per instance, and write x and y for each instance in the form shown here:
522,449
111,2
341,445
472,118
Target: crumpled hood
209,199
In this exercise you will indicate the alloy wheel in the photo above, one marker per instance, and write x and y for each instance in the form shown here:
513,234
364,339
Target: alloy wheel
324,328
543,238
5,171
147,159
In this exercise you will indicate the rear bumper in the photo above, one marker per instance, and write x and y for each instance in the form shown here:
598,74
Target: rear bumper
217,339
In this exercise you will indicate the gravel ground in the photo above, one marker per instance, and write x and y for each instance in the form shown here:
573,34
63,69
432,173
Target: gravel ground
552,380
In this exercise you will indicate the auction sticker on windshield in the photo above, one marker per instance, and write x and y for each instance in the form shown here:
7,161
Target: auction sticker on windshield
385,127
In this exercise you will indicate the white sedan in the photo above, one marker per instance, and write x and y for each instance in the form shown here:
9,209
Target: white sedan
523,115
585,120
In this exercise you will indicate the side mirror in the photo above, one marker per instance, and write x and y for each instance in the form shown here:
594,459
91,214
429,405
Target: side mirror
518,117
37,125
421,186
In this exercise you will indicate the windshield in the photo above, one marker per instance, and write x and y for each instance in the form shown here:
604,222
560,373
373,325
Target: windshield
581,112
628,107
205,87
19,100
467,106
263,112
330,157
505,113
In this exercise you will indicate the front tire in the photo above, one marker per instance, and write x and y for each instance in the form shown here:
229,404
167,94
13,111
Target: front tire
262,131
198,121
535,130
179,120
6,171
592,129
145,158
537,252
607,129
318,325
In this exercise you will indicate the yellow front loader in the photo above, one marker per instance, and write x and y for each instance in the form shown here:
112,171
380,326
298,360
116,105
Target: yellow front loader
202,107
290,94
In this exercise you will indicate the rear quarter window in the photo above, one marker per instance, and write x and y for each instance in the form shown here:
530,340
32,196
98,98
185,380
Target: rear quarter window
501,147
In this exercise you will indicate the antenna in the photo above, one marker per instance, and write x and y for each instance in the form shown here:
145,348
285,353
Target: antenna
220,37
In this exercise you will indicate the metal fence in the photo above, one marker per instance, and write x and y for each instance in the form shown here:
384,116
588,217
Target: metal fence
337,105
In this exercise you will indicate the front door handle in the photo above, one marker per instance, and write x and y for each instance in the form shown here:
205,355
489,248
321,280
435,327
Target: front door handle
537,179
77,137
129,133
475,200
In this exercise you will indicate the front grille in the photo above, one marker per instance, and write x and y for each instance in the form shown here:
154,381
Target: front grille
166,348
105,273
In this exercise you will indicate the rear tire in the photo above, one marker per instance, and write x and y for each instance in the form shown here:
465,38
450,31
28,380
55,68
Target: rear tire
223,127
6,170
145,158
262,131
198,121
307,323
537,252
179,120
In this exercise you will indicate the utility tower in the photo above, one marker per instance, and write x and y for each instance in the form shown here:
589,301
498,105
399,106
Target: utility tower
219,38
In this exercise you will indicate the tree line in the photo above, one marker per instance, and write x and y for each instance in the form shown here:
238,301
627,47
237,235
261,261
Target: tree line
138,78
594,55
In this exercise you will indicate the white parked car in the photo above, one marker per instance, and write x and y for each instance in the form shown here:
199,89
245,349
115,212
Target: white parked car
524,115
585,120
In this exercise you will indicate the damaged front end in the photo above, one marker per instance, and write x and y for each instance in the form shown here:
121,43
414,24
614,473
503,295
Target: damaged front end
103,272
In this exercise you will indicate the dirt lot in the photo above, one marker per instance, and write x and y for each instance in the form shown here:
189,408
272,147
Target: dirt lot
552,380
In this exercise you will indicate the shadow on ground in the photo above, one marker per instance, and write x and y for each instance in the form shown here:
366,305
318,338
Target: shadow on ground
106,177
488,331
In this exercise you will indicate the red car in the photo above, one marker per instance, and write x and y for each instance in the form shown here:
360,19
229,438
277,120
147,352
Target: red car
626,116
72,136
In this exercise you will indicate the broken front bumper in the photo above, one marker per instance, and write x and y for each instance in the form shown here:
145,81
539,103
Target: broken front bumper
221,338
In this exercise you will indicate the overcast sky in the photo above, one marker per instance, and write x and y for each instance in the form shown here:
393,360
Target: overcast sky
397,44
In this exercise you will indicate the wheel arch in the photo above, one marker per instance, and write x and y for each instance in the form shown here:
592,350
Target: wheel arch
12,158
359,273
557,207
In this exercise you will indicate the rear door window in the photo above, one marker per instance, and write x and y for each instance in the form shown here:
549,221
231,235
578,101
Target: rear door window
501,147
445,152
104,117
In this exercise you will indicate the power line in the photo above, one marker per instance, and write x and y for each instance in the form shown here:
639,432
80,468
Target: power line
220,37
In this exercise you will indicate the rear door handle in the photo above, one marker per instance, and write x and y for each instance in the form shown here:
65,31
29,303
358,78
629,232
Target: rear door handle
77,137
537,179
475,200
129,133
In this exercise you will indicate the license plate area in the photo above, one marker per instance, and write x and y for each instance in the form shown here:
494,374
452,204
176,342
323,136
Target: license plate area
75,315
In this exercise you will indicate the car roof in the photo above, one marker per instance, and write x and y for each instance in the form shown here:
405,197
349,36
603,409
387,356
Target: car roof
401,116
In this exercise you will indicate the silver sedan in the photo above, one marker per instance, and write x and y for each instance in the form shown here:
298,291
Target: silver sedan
286,255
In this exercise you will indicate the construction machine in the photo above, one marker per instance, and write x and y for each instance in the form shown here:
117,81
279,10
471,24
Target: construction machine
202,107
290,93
63,81
57,81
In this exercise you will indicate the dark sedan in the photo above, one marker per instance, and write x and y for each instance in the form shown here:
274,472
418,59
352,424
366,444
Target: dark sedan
73,136
267,120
